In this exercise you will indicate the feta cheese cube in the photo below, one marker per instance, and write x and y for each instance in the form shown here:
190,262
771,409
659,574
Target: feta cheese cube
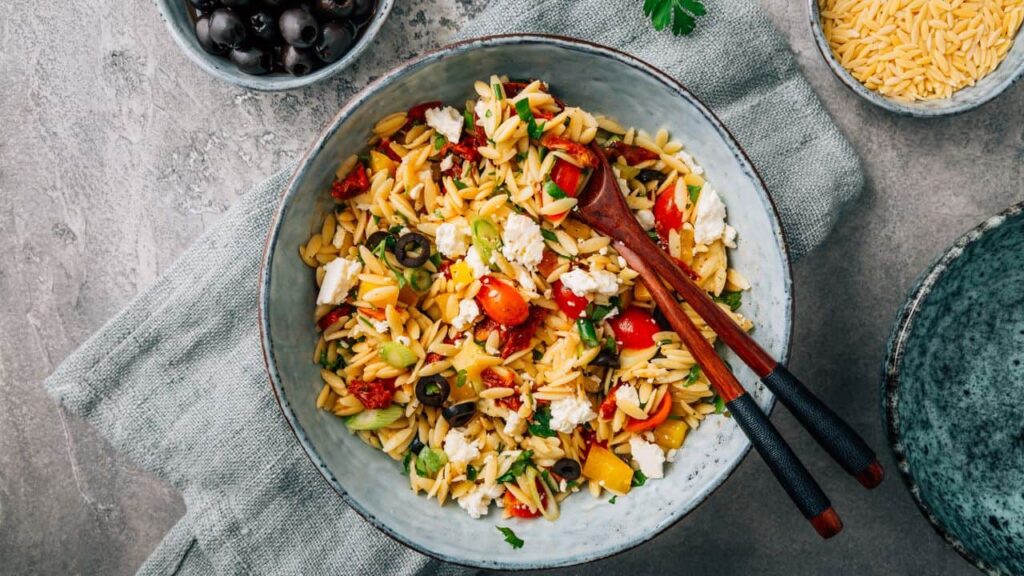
447,121
568,413
340,275
451,239
522,241
468,311
584,283
645,218
458,449
649,456
709,224
476,264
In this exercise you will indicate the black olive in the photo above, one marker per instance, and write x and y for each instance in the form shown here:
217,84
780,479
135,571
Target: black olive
647,175
334,9
298,61
416,445
203,36
606,358
412,250
363,7
375,239
205,6
459,415
263,27
662,320
227,28
567,468
336,38
252,59
432,390
299,28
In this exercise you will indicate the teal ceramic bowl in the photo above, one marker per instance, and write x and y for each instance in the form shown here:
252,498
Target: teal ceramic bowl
177,15
598,79
1000,80
953,394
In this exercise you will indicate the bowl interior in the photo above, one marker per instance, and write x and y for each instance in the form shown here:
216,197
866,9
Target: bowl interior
598,80
178,16
989,87
956,391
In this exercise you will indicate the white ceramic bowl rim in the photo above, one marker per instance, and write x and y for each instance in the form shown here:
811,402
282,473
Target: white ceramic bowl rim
367,93
270,83
937,108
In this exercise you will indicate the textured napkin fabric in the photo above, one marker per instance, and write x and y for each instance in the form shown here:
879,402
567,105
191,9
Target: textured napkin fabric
176,381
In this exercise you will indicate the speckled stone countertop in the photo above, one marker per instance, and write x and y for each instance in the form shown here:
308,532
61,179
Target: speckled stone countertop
116,152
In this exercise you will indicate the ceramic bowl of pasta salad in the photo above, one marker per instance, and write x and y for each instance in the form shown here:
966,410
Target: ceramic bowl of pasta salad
472,368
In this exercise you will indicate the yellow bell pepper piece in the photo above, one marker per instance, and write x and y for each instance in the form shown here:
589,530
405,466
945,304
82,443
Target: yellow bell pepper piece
365,287
473,360
608,470
670,434
461,273
379,162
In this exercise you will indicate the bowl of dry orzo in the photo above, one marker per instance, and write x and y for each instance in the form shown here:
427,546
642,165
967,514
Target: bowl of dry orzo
473,370
921,57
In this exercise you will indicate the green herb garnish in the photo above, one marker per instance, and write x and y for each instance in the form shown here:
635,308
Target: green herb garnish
694,192
499,92
653,235
439,141
719,404
598,312
682,14
514,541
460,378
639,479
587,332
541,426
693,375
548,235
430,461
613,499
468,120
405,463
526,115
731,299
524,460
460,185
471,473
554,190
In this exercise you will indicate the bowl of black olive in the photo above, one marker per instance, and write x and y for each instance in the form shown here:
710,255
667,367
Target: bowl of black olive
274,44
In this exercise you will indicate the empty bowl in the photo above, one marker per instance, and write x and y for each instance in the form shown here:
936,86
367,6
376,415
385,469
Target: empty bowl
953,394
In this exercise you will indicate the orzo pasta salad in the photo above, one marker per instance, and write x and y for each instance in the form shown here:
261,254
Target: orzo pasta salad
474,331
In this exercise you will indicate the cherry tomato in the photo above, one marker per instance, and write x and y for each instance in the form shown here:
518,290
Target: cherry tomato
354,184
333,316
566,176
668,216
607,409
634,329
375,393
418,113
519,510
567,300
633,154
652,421
502,302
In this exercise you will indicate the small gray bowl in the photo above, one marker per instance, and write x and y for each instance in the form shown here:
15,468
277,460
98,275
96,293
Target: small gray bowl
953,394
598,79
1002,78
177,14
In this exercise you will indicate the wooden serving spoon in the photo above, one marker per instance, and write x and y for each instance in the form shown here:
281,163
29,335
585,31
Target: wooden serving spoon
602,206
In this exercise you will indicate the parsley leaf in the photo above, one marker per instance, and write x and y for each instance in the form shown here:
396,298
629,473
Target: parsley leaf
514,541
612,499
471,473
548,235
526,115
694,192
653,235
639,479
430,461
554,190
460,378
541,427
681,14
732,299
439,141
518,467
693,375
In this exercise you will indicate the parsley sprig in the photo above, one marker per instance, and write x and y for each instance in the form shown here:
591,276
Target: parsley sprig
681,14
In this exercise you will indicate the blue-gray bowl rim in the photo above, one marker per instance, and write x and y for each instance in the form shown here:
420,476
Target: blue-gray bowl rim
814,12
895,352
279,82
356,100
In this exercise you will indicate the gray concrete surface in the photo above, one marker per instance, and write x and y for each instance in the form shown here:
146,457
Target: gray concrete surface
116,152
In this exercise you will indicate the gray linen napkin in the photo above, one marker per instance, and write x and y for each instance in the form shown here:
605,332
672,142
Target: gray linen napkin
176,380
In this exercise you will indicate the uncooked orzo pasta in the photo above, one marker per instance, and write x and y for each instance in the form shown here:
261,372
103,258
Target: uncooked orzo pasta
475,332
920,49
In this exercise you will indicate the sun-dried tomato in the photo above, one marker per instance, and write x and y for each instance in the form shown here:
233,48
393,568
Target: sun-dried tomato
548,263
633,154
503,378
581,153
517,509
418,113
518,338
333,316
354,184
375,393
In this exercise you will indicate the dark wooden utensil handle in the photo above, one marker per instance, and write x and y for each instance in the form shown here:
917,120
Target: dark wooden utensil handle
784,464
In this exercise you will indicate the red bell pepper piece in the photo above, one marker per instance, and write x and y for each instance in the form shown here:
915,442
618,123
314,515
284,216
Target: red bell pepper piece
652,421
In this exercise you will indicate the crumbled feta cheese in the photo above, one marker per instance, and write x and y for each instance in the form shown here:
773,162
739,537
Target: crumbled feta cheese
447,163
583,283
627,394
481,109
645,218
451,239
468,311
710,220
339,237
458,449
512,423
522,240
670,456
447,121
729,237
621,262
403,340
476,264
649,456
568,413
603,251
477,502
526,281
340,276
381,326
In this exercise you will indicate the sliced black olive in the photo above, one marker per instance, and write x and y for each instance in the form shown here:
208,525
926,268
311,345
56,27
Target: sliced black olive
661,319
412,250
432,390
416,445
606,358
647,175
567,468
459,415
375,239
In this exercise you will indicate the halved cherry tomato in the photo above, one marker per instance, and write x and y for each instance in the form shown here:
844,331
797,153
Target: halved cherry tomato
652,420
567,300
519,338
375,393
333,316
583,154
354,184
519,510
633,154
634,329
502,302
668,216
567,177
418,113
608,405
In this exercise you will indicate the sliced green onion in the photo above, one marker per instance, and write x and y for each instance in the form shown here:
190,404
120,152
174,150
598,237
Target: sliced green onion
485,237
430,461
526,115
554,190
469,120
460,185
439,141
587,332
420,279
499,92
374,419
397,355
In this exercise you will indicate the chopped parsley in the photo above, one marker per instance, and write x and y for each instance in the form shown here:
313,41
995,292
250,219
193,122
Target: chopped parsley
460,378
639,479
439,141
719,404
731,299
514,541
526,115
681,14
460,185
612,499
524,460
548,235
471,473
694,192
554,190
693,375
499,93
541,426
598,312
